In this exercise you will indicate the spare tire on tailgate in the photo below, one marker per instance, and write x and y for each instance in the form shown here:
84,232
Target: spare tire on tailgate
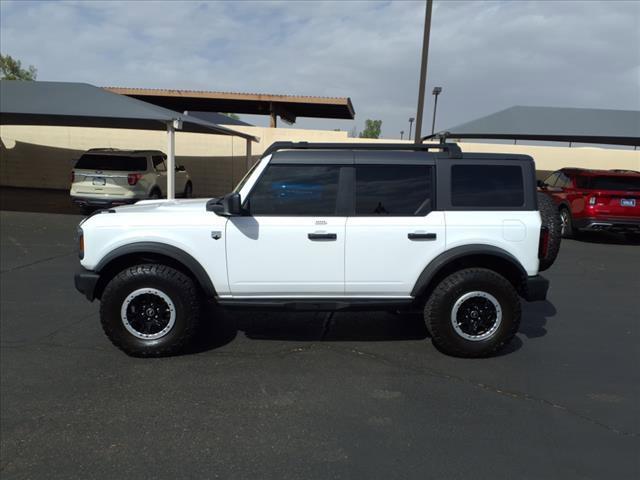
551,220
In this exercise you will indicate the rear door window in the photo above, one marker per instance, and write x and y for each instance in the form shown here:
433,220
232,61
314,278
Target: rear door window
120,163
563,181
296,190
552,179
158,163
393,190
487,186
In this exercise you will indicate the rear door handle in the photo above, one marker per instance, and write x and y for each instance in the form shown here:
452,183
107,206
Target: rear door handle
322,236
421,236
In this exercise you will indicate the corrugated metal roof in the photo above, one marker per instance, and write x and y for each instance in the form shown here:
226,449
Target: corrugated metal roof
84,105
586,125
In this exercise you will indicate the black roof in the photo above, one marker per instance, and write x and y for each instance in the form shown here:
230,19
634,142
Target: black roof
585,125
83,105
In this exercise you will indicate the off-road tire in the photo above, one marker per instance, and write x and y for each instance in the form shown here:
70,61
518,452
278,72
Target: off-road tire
439,307
155,194
551,220
176,285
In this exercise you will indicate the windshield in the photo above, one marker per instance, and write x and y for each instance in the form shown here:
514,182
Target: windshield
613,183
111,162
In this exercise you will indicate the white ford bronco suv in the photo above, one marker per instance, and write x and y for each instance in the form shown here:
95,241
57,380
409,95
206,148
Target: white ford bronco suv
107,177
329,227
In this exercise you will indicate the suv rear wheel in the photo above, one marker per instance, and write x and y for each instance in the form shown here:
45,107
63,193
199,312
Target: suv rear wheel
150,310
566,223
472,313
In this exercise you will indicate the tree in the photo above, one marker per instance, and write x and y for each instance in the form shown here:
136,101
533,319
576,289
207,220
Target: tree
235,116
11,69
372,129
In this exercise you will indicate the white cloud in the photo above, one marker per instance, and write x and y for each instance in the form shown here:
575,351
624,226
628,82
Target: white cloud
487,56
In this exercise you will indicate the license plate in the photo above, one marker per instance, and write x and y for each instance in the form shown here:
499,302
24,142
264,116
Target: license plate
627,202
99,181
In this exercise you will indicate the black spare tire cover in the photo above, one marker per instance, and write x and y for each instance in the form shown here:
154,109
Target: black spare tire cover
551,220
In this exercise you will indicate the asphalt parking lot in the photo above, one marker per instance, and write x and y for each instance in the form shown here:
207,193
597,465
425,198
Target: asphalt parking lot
353,395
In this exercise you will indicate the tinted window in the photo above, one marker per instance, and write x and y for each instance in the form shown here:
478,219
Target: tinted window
111,162
393,190
158,163
552,179
614,183
563,181
296,190
486,186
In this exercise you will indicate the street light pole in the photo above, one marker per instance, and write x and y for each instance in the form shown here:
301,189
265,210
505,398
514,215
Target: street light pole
436,91
401,134
423,69
410,123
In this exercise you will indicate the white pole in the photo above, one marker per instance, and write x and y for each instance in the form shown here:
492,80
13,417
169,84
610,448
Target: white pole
171,161
248,154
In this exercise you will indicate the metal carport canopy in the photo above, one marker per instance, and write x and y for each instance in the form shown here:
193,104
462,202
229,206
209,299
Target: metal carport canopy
83,105
585,125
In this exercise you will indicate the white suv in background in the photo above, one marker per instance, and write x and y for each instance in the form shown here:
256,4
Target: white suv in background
106,177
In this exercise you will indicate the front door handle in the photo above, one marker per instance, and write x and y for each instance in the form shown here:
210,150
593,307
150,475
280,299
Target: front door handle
322,236
421,236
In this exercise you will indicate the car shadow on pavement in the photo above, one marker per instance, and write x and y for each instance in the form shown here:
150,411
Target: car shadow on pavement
532,326
222,327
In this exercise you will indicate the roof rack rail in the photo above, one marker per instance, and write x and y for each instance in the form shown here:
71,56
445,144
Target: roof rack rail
452,149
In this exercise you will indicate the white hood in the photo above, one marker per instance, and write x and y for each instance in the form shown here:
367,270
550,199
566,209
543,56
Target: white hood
165,206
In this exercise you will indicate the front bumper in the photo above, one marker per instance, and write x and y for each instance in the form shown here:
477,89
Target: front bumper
610,224
86,282
535,288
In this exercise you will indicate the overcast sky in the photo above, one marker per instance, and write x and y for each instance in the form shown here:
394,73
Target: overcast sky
487,56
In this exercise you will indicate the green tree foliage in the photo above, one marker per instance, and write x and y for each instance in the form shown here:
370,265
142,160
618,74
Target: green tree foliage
11,69
235,116
372,129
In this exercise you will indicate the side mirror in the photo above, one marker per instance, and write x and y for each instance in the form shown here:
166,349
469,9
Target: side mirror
180,168
227,206
540,184
234,207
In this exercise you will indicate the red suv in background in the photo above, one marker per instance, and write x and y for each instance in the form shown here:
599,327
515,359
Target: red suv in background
595,199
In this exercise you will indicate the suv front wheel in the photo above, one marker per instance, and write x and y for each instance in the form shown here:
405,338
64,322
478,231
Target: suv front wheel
150,310
472,313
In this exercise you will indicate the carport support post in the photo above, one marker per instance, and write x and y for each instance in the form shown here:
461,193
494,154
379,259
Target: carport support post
171,161
248,154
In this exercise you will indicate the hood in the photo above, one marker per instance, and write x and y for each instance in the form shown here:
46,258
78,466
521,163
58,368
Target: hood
165,206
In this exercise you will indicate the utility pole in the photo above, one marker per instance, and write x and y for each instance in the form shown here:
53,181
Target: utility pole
423,70
411,120
436,91
401,134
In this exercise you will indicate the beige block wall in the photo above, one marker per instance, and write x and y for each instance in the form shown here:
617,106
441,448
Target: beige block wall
42,157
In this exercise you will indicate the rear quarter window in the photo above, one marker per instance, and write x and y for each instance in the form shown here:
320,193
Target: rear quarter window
487,186
120,163
611,183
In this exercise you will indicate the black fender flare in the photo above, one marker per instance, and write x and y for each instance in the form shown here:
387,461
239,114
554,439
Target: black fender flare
170,251
457,253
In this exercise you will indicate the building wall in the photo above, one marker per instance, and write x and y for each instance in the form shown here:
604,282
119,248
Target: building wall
43,157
